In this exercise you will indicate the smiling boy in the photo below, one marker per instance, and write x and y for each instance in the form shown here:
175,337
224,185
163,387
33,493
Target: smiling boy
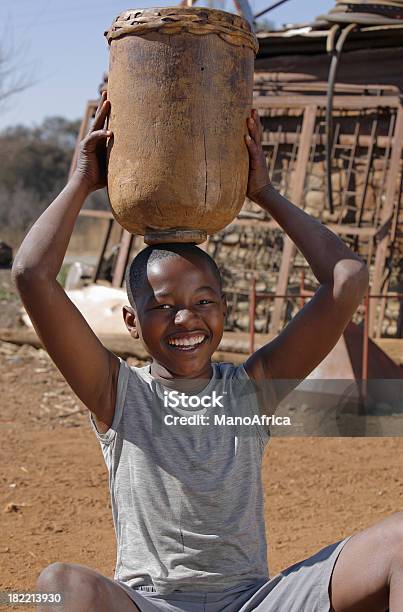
188,504
181,346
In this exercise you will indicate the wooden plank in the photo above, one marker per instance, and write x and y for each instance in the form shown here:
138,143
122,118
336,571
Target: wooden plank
308,126
271,224
320,139
345,102
122,258
102,251
231,345
351,230
266,81
342,229
120,344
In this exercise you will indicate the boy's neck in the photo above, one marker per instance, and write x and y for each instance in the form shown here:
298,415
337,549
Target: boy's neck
161,373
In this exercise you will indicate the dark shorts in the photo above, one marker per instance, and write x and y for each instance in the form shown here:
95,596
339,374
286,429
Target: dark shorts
303,587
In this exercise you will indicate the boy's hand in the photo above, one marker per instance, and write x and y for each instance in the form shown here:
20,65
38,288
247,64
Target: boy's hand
258,172
91,163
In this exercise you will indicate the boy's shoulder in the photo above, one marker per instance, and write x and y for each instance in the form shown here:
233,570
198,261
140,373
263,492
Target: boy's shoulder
225,374
221,369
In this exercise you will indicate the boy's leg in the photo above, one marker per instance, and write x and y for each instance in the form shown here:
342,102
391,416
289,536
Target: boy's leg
368,574
83,589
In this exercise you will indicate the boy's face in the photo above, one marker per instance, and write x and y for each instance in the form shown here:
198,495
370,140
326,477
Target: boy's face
179,316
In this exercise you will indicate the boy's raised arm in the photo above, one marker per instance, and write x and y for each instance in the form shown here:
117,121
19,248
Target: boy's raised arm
342,275
89,368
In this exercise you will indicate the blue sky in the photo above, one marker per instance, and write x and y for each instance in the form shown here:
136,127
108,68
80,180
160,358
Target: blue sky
60,47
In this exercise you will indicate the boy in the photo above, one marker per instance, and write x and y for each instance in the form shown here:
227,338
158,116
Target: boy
187,507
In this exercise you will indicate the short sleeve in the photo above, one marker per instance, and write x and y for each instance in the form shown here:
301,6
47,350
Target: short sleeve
250,392
108,436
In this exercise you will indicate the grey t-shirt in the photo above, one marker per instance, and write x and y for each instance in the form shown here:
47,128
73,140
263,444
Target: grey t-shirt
187,500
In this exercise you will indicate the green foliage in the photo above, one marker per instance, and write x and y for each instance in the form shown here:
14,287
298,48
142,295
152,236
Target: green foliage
34,164
37,158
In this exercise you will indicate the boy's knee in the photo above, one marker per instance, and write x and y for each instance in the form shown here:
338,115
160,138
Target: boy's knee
393,525
392,536
52,575
76,584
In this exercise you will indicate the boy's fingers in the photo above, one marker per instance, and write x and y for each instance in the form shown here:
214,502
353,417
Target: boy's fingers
98,134
101,108
93,137
254,132
254,125
260,128
256,119
101,116
102,133
100,104
252,128
255,115
251,144
103,98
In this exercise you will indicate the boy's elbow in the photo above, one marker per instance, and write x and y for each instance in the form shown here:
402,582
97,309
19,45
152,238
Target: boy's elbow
18,271
351,281
23,274
360,278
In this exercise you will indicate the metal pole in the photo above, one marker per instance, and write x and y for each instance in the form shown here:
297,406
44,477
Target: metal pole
252,315
365,346
270,8
243,7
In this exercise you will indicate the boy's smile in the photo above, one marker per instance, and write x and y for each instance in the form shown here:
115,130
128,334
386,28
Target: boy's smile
179,316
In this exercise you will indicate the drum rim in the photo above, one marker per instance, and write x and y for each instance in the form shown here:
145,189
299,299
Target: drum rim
175,20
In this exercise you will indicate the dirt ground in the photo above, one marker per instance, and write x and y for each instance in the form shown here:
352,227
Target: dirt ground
54,498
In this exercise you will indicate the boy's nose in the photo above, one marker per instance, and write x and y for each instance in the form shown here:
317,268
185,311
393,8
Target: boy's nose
185,316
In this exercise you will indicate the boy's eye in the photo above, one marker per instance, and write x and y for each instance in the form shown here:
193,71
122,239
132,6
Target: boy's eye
205,301
163,307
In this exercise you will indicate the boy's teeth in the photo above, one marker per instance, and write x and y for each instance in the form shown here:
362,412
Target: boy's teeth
186,341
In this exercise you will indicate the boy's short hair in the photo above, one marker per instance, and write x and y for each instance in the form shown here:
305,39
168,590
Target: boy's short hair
136,272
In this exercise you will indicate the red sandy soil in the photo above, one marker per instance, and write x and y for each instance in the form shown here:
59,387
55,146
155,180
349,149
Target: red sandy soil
54,500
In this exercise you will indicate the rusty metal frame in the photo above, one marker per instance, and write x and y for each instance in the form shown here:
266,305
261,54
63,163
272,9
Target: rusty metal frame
289,248
386,217
381,230
303,149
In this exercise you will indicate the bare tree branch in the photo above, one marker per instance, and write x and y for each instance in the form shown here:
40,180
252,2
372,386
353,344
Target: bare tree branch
14,77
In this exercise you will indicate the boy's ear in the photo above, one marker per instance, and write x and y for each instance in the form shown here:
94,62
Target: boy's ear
130,319
224,303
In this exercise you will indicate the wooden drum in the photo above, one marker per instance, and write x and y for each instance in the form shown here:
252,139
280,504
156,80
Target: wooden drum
180,85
